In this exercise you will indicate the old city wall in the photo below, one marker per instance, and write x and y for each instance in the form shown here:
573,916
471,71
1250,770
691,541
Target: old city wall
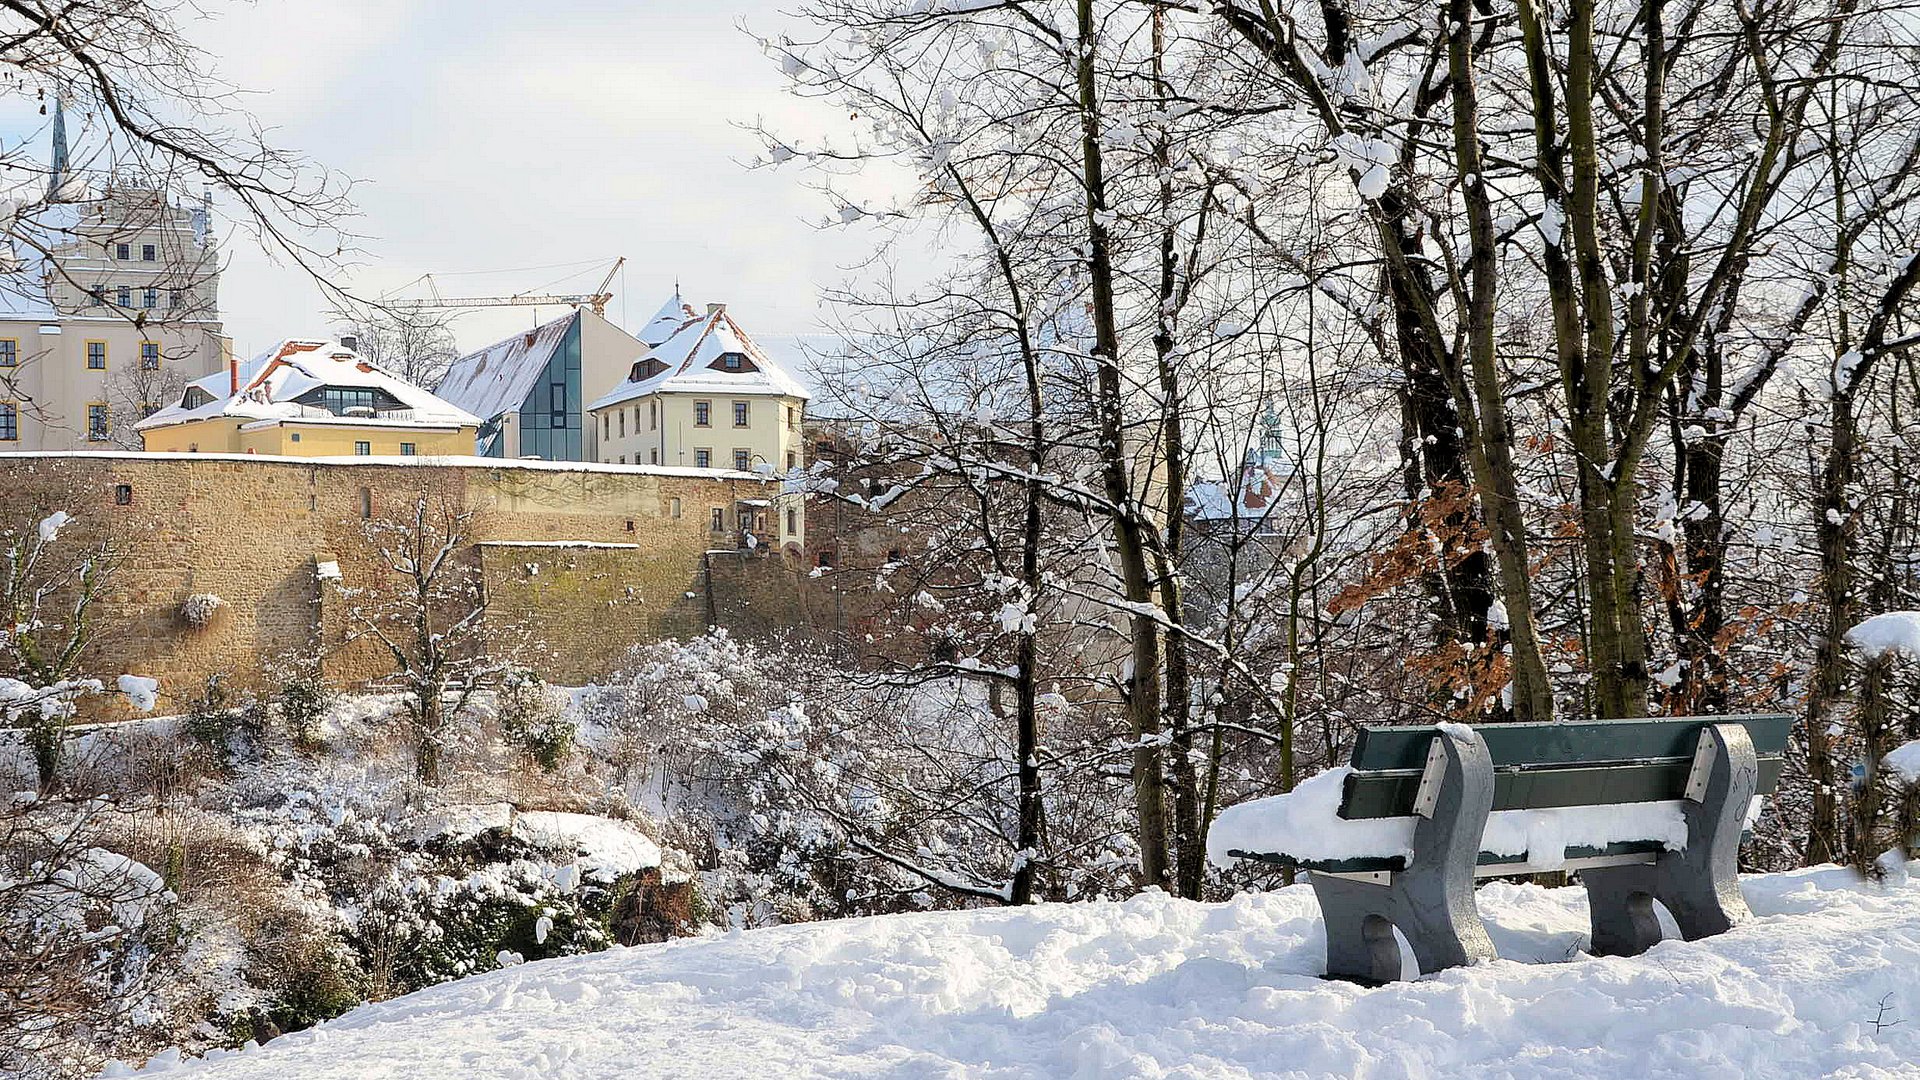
579,562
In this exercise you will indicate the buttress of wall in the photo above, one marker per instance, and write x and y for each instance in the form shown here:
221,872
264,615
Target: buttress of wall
253,530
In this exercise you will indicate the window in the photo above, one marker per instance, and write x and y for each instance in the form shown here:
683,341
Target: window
98,294
741,460
366,502
703,459
557,403
606,427
147,253
793,461
97,423
673,507
123,494
363,449
295,436
149,356
623,423
623,459
148,408
793,420
793,521
653,420
123,251
9,422
739,414
195,397
173,298
123,296
719,519
150,298
653,457
703,414
9,352
406,449
97,355
632,525
824,559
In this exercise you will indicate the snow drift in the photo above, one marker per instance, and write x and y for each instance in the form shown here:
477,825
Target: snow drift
1818,984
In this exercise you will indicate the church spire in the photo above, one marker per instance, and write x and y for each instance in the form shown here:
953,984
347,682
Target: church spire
57,176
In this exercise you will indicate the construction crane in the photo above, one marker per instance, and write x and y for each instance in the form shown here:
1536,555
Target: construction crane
597,299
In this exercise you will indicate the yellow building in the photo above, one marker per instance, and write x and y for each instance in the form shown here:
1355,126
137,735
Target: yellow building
704,395
309,399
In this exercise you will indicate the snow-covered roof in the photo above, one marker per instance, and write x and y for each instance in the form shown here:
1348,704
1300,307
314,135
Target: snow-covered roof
691,358
498,378
667,321
270,384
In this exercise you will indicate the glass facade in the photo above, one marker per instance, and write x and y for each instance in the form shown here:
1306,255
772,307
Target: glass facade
550,417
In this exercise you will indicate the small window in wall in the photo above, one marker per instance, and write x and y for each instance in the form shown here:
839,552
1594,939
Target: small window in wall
623,459
150,298
123,296
673,507
9,352
653,415
653,457
606,427
123,494
623,423
793,521
96,356
719,519
9,422
294,437
793,418
630,525
363,449
173,298
703,414
148,253
740,414
824,559
97,422
703,459
123,251
406,449
366,502
149,356
793,461
741,459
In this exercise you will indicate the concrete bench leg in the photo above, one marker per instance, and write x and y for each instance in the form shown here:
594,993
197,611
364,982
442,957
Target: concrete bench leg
1701,885
1431,902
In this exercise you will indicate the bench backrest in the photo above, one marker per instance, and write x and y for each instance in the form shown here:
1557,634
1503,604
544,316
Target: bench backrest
1538,766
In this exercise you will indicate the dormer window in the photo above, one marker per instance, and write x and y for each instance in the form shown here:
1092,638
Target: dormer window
733,362
195,398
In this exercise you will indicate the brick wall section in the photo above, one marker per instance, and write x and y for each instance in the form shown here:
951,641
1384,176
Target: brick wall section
252,530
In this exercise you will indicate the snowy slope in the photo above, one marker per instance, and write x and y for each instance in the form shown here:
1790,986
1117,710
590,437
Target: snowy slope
1158,987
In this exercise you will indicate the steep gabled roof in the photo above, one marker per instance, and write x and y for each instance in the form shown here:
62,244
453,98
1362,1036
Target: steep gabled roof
270,384
686,358
498,378
667,321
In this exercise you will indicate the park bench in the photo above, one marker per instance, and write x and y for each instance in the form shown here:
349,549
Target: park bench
1653,810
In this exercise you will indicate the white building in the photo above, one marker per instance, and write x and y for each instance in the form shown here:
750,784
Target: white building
703,394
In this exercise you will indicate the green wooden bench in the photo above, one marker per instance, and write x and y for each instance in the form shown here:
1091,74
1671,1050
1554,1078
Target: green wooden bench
1448,779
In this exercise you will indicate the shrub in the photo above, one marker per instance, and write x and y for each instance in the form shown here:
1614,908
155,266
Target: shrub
533,718
198,610
222,726
304,699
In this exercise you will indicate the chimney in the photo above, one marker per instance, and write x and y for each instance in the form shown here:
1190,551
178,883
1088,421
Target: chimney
715,309
233,375
351,341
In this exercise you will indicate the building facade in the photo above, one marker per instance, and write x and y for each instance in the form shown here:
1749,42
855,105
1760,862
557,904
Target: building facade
530,390
309,399
706,396
113,306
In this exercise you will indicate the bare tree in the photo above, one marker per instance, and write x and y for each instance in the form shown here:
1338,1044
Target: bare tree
427,612
418,346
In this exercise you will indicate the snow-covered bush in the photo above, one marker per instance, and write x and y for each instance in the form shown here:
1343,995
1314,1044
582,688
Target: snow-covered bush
46,587
534,718
223,725
198,610
304,698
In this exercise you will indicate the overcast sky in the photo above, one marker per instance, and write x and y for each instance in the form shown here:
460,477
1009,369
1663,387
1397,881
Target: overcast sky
495,135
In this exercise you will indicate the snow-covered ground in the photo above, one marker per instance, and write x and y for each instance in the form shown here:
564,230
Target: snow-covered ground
1821,983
